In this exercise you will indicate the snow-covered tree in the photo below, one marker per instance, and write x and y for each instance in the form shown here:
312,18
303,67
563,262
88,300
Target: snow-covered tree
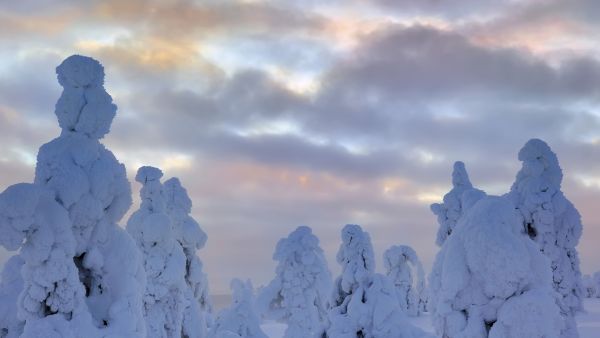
198,312
364,303
494,280
552,221
164,260
51,295
86,180
456,202
405,271
241,319
299,293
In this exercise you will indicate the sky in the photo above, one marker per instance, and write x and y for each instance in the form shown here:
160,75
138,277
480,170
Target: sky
276,114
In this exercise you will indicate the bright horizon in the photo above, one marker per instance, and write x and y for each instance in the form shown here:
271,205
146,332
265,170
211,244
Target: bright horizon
276,114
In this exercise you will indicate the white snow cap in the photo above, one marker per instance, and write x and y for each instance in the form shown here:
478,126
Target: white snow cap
356,257
540,161
84,106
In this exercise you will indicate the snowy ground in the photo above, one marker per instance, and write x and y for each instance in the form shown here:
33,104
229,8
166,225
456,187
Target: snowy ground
588,322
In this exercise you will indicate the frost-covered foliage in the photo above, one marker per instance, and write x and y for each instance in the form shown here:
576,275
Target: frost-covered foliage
405,271
164,260
591,285
198,312
87,180
31,220
298,295
494,281
364,303
456,202
11,286
552,221
241,319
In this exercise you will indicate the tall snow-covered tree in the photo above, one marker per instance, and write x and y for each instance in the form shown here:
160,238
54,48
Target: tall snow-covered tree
364,303
87,180
455,203
552,221
198,312
299,293
241,319
494,280
164,260
51,297
405,271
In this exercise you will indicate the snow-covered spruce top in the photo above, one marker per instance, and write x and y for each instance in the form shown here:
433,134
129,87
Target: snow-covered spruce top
84,106
456,202
410,289
179,208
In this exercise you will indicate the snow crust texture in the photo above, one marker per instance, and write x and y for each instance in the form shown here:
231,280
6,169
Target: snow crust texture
493,282
405,271
299,293
552,222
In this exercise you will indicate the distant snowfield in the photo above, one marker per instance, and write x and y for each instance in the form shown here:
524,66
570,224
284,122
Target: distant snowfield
588,323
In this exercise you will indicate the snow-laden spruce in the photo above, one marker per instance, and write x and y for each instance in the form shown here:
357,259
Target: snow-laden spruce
299,293
52,296
198,312
364,303
456,202
552,221
164,260
241,319
86,180
405,271
494,281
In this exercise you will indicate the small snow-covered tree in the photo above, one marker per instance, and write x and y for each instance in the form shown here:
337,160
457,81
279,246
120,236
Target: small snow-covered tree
51,295
552,221
298,294
164,260
401,264
494,280
198,312
86,179
241,319
456,202
364,303
591,285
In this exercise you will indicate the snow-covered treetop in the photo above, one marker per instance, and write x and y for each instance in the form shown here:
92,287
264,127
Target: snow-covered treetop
462,196
460,178
399,255
179,206
151,190
356,257
539,161
299,241
84,106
